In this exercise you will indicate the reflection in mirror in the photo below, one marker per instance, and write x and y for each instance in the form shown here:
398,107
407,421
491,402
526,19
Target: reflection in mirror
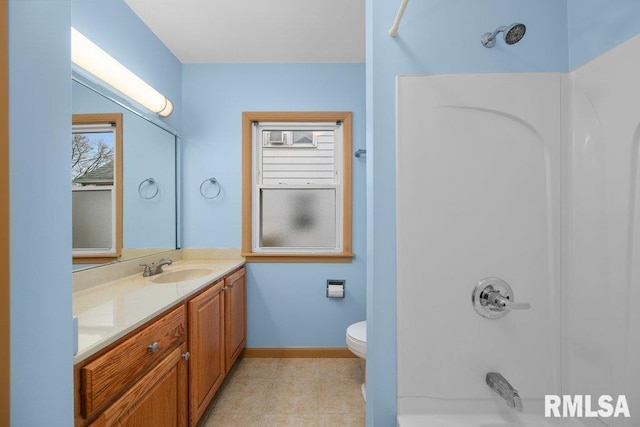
148,176
96,178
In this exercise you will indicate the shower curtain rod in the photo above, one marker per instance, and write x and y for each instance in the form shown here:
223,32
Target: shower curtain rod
396,23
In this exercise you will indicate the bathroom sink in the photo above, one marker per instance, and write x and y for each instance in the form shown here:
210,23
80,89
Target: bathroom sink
181,275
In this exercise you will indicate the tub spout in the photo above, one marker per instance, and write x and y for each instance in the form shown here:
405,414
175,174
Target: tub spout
500,385
516,402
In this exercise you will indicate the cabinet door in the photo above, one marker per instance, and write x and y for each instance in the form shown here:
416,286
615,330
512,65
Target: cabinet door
206,345
235,316
159,399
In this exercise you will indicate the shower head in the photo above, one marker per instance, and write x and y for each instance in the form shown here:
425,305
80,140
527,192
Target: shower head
512,35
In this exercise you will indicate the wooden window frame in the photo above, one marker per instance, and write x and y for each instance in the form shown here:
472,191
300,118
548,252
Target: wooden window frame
248,118
116,119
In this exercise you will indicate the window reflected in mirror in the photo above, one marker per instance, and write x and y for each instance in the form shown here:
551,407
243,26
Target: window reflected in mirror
96,184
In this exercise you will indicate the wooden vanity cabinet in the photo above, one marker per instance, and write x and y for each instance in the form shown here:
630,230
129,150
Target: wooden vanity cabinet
235,322
206,345
166,372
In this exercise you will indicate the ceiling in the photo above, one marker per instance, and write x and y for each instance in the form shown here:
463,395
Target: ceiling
210,31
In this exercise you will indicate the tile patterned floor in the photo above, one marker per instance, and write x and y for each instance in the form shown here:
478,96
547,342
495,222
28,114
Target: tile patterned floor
290,392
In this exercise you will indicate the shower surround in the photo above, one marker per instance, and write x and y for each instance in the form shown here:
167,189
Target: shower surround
532,178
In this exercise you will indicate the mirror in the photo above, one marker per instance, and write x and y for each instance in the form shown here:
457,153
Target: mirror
148,180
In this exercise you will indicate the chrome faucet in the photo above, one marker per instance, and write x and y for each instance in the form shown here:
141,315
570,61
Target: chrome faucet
493,298
500,385
153,269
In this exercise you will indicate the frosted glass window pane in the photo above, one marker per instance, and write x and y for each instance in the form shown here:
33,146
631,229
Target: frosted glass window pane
298,218
92,219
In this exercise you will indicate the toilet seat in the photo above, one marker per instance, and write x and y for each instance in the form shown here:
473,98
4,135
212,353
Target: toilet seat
357,339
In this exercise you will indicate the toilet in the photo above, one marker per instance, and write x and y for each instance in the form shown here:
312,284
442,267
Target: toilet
357,344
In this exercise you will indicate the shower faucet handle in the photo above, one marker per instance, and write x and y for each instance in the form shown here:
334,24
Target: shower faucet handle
493,298
497,300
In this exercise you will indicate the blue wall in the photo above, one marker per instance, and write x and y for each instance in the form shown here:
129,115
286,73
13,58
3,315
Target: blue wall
596,26
436,36
40,213
286,302
40,240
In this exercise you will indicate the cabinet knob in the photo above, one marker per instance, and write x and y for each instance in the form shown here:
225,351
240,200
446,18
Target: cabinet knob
186,356
152,348
225,289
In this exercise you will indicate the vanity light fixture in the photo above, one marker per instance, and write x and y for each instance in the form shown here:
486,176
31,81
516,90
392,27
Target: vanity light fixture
91,58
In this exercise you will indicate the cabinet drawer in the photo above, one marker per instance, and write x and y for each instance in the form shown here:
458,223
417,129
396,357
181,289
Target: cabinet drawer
118,369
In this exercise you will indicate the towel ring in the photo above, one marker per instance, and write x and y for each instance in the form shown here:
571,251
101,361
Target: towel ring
149,182
213,181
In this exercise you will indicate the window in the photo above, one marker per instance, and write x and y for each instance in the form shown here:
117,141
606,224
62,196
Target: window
297,187
96,187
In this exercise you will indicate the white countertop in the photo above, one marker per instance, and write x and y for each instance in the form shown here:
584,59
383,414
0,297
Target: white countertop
109,311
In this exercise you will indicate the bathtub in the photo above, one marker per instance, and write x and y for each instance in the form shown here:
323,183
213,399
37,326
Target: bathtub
431,412
491,420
